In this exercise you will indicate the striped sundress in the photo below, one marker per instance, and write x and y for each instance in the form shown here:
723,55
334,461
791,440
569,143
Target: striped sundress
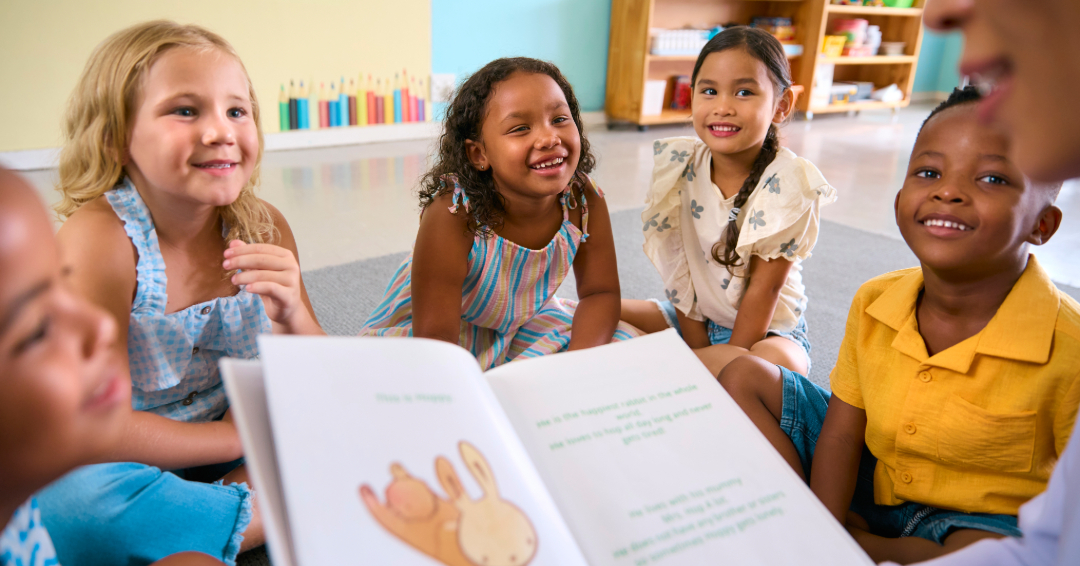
508,305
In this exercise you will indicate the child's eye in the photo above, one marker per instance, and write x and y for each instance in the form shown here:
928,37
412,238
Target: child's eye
236,113
185,111
708,91
38,335
744,92
560,119
927,174
994,179
519,129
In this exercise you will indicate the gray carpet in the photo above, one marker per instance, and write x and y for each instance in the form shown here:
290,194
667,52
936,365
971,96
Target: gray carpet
843,259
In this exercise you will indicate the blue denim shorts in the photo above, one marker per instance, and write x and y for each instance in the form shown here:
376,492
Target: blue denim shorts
722,334
131,514
801,418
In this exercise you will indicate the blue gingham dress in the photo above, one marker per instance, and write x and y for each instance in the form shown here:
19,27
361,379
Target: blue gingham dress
24,541
173,357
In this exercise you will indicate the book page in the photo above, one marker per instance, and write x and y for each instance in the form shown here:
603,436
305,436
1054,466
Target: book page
247,398
651,462
395,451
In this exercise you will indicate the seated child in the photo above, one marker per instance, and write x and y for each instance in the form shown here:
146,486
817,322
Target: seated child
507,209
157,177
65,395
731,215
961,378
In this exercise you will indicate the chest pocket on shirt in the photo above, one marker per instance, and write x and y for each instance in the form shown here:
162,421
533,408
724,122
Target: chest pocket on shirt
973,436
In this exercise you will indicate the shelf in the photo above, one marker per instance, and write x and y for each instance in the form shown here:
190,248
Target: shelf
875,60
667,116
874,11
854,106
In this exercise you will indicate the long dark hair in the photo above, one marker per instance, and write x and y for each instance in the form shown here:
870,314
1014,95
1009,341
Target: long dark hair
464,119
765,48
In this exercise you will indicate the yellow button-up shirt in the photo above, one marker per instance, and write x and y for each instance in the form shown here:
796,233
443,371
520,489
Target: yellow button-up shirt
978,426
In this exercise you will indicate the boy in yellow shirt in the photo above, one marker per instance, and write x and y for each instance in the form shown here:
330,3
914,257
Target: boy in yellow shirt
957,382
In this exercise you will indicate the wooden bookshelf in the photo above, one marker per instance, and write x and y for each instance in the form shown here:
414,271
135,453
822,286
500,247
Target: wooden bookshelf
630,64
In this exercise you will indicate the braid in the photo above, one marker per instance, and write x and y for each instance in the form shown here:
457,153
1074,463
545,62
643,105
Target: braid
723,251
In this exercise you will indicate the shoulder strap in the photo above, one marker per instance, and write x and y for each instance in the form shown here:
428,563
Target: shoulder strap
459,198
150,293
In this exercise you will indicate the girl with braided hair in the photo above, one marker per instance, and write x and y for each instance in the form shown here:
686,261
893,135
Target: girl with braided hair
731,214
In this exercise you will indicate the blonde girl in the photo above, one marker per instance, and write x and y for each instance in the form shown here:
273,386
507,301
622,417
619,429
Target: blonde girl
165,232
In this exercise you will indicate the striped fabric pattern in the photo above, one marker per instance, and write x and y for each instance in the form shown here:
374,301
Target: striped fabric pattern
508,309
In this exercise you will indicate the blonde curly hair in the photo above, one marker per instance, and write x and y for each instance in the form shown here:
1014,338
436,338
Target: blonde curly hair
97,126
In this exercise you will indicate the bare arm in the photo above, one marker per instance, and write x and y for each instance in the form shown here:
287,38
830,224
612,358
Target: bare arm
273,272
102,261
836,457
597,274
694,332
767,278
440,264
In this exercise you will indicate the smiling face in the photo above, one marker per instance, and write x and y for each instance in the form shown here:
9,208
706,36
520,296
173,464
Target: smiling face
528,139
64,393
1028,53
965,207
734,102
193,137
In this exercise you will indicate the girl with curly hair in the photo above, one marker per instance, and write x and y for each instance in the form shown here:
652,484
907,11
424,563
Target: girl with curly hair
508,209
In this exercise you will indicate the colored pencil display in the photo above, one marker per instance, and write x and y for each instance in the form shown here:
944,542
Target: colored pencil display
403,98
283,109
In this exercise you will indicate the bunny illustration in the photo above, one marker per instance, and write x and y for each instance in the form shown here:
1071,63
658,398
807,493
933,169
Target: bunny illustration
417,516
491,531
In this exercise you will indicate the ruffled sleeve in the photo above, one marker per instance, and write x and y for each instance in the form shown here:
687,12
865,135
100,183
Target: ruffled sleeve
781,218
676,161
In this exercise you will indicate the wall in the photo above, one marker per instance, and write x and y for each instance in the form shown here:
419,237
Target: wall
938,61
573,34
45,44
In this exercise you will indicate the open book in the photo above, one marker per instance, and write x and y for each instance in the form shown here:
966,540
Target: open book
401,451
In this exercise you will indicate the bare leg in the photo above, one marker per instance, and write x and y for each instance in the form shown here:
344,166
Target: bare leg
775,349
914,549
254,536
644,315
188,559
758,388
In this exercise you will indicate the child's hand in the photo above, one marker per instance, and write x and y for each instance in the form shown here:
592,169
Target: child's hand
273,273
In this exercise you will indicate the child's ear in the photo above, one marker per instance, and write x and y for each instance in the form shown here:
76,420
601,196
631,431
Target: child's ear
477,156
784,106
1046,225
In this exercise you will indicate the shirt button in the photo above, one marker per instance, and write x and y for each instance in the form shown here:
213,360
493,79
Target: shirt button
206,310
925,376
910,428
189,399
906,477
195,350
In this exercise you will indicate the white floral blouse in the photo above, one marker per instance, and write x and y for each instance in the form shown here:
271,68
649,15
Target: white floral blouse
685,214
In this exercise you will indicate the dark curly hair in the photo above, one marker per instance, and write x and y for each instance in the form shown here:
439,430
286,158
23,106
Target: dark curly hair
762,46
958,96
464,119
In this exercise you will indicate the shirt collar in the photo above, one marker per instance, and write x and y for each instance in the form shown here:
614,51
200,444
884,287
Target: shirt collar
1022,329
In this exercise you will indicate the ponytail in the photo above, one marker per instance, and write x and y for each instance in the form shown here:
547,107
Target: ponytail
723,251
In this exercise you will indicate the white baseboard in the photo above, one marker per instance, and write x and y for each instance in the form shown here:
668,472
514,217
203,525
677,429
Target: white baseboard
929,96
34,159
30,159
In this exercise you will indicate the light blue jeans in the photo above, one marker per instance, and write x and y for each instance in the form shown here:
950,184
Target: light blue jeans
722,334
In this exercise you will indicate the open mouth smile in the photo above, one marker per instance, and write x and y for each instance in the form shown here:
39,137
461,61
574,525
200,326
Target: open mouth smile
547,164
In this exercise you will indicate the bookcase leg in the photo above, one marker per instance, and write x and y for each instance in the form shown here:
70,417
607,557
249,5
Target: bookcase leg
809,116
642,128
